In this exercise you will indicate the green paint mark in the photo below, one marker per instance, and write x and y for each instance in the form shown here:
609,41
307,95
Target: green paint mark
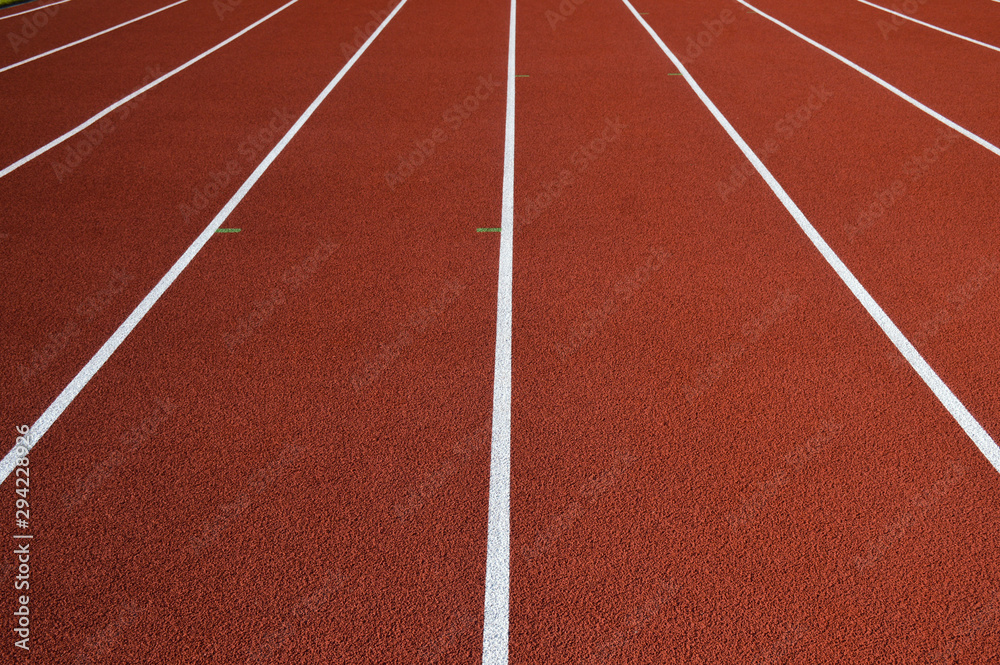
520,75
487,230
643,13
673,73
228,230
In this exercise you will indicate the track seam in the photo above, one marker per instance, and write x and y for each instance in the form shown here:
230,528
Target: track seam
496,601
962,416
69,393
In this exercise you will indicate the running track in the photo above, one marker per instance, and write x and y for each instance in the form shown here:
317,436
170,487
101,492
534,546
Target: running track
722,389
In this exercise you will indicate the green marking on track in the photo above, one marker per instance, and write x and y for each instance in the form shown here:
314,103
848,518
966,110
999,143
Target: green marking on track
673,73
487,230
517,76
228,230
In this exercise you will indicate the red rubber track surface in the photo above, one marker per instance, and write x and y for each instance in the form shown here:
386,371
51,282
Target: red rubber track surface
49,28
714,472
717,454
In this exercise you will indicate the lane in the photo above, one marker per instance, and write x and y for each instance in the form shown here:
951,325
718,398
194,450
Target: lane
713,461
900,201
95,75
927,65
979,20
12,11
897,16
178,154
54,27
369,300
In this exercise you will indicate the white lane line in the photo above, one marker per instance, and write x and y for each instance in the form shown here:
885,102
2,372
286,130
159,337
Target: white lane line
32,11
932,27
958,411
888,86
497,599
125,100
70,392
87,39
